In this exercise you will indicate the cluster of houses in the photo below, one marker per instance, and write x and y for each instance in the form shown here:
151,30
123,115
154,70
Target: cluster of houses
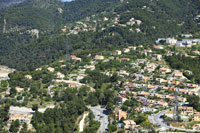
154,92
186,43
186,114
127,124
153,84
90,24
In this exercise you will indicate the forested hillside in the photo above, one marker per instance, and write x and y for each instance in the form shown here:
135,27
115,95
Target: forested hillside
163,18
6,3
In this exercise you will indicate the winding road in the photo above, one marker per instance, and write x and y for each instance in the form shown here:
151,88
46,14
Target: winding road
156,120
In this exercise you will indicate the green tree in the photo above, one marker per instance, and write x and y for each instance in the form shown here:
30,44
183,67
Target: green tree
35,107
14,127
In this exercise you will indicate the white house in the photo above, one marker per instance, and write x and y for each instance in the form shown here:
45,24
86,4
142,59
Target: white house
60,75
117,52
50,69
171,40
126,50
157,57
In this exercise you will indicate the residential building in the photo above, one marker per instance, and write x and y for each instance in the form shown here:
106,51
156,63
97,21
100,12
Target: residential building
60,75
164,70
132,47
18,89
196,52
91,67
120,114
160,96
22,117
157,57
196,117
196,127
178,74
50,69
186,35
117,52
186,110
28,76
38,69
73,57
150,67
129,124
125,59
143,93
99,57
121,99
126,50
158,46
171,41
162,103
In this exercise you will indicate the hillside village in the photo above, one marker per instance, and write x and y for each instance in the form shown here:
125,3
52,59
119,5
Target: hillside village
102,22
100,66
140,80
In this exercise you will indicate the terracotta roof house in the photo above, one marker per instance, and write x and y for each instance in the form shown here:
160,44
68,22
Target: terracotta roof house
178,74
158,46
170,97
120,114
143,93
162,103
160,96
73,57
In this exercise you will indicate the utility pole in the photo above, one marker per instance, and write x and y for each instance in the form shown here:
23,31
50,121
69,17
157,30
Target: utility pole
175,111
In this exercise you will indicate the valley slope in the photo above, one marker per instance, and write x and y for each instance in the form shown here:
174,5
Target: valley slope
20,48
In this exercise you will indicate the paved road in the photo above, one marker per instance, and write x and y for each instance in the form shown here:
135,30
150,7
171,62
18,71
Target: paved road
101,116
16,109
82,122
155,119
50,91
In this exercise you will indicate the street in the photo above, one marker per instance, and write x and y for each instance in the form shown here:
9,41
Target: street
101,116
16,109
156,120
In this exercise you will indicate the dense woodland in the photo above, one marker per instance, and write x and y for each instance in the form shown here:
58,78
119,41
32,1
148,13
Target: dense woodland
186,63
62,118
160,19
